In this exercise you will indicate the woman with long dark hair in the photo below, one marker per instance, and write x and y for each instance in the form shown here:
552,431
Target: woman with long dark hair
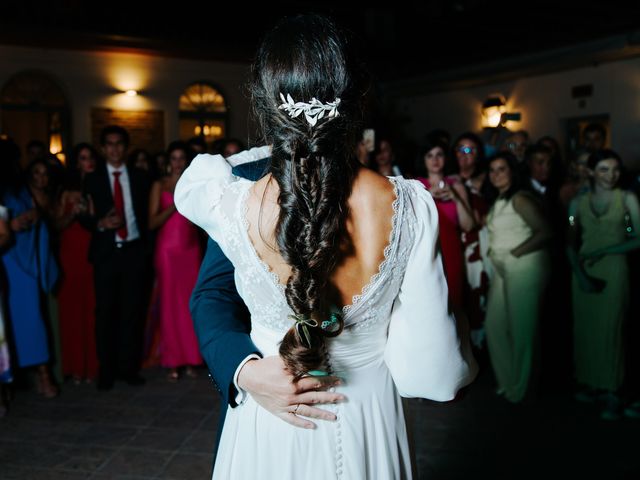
30,270
454,212
76,295
338,265
176,261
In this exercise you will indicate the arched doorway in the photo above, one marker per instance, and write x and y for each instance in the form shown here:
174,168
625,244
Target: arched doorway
203,112
34,107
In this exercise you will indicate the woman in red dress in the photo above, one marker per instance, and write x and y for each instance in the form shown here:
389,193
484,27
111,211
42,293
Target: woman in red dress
76,299
454,214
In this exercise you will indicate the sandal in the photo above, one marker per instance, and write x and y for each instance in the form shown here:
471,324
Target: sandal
45,386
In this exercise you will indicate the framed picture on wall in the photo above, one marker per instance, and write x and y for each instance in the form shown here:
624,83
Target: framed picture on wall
574,128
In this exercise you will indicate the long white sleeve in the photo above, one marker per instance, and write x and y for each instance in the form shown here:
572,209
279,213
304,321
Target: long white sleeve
202,185
423,351
199,190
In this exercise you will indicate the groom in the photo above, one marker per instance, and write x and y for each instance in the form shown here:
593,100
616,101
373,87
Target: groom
222,326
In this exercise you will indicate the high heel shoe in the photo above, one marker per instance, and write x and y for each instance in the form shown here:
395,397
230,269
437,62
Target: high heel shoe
173,376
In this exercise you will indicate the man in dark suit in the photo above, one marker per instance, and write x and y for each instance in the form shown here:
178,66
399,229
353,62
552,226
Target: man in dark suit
119,198
222,326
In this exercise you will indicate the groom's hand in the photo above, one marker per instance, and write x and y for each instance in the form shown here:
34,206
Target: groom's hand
271,385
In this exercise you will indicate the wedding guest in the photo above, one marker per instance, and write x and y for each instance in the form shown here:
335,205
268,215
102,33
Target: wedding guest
594,137
197,145
517,144
468,151
231,146
518,237
605,219
142,160
384,159
31,271
118,253
578,180
6,376
177,260
454,213
76,294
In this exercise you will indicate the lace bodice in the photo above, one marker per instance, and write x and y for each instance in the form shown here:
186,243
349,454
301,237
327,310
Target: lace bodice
401,312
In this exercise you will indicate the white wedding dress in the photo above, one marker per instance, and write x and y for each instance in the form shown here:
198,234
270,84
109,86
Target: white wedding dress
399,340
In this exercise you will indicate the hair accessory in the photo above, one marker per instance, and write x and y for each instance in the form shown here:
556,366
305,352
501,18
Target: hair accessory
303,322
333,324
313,111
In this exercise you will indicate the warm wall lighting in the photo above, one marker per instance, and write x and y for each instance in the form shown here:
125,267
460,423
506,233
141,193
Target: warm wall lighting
55,146
131,93
492,109
208,131
494,112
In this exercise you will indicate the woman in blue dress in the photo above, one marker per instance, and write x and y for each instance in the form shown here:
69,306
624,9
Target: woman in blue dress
30,270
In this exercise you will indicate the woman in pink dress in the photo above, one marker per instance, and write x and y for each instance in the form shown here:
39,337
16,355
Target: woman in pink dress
454,214
177,260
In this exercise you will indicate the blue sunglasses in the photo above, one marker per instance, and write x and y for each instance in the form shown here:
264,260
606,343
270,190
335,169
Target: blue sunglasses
466,150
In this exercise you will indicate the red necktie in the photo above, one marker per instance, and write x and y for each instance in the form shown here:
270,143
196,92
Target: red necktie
118,203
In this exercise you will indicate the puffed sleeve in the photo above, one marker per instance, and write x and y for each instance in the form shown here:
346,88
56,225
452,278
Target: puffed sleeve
423,352
199,190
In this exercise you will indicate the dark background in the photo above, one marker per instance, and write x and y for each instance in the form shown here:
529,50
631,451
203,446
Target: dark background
415,39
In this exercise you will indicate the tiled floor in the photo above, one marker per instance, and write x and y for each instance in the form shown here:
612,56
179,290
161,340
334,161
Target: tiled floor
167,431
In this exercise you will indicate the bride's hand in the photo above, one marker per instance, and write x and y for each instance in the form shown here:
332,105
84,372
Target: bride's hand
272,387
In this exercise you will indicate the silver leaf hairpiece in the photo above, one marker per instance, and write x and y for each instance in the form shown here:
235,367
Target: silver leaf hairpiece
313,111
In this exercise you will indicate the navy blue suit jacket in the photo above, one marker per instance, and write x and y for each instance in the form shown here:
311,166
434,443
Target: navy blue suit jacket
220,317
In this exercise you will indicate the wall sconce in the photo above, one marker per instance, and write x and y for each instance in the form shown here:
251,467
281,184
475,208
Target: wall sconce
494,112
131,93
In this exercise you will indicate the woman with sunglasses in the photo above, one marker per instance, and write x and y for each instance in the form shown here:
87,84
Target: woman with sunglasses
468,150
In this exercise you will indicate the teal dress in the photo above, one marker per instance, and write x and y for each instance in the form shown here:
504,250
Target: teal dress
599,317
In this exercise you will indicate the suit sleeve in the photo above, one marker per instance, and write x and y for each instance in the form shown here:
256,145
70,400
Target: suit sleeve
221,321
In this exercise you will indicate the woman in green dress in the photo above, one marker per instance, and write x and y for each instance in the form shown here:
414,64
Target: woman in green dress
601,232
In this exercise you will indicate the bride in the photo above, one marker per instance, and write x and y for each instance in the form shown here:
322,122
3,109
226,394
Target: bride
338,265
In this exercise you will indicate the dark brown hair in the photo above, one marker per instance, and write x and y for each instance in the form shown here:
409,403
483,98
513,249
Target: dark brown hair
314,166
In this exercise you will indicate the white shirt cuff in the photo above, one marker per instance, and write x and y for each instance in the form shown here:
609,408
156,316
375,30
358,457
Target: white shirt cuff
242,394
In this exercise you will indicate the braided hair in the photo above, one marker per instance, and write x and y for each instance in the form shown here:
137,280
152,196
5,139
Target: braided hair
306,57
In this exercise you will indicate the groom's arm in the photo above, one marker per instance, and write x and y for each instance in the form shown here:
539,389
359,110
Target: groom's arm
221,322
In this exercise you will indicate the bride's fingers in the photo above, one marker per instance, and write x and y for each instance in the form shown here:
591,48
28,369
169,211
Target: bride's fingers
314,398
307,384
296,421
313,412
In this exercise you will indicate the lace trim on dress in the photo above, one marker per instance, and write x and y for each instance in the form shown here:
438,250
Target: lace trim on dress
275,278
382,268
